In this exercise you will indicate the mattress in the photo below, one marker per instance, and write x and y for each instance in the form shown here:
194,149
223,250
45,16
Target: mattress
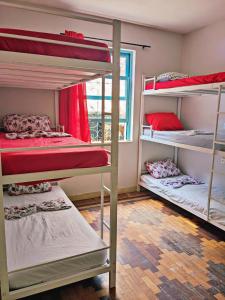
194,80
201,139
47,160
42,48
193,196
47,236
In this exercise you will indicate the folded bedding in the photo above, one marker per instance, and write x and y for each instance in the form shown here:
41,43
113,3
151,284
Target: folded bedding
47,160
35,134
43,48
17,212
181,181
194,80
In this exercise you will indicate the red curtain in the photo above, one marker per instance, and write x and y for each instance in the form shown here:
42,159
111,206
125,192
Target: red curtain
73,113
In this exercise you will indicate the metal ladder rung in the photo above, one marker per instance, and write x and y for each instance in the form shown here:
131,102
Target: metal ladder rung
106,225
221,113
218,173
219,142
106,189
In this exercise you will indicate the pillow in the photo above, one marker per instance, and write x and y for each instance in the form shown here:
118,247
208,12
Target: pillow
170,76
164,121
74,34
20,123
19,189
162,168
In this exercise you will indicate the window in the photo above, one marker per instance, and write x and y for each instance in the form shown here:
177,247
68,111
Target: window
94,101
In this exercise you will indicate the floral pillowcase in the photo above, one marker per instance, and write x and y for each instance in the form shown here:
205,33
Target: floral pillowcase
162,168
21,123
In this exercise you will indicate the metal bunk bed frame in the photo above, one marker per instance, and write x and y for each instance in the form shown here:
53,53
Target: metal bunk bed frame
57,73
178,93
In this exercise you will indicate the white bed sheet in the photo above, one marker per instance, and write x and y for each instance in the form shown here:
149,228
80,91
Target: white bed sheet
48,236
190,137
193,196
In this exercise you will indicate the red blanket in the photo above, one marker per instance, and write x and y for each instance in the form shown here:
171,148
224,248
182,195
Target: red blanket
26,46
195,80
47,160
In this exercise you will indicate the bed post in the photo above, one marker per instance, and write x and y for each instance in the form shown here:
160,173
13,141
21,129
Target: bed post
214,151
178,112
114,149
3,256
141,118
56,109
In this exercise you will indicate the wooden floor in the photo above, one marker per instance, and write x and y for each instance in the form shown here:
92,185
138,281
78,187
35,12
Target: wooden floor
163,253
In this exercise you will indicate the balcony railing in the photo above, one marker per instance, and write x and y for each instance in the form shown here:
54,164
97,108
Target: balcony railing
96,130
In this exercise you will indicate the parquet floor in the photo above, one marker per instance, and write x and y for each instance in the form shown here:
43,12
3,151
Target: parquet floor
163,253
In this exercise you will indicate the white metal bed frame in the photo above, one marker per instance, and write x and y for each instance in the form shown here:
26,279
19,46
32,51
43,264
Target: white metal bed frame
178,93
57,73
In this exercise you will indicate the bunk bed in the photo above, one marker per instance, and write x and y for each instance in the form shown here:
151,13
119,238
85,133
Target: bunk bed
35,60
207,200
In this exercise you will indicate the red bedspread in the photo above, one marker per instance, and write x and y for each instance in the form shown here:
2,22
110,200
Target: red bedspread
26,46
195,80
47,160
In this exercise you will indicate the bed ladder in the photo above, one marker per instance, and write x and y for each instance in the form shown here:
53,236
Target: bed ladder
216,142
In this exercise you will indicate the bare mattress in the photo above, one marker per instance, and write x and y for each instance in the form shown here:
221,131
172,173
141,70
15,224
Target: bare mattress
45,237
194,197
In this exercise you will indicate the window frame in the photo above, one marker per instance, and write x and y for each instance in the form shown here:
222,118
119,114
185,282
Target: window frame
128,77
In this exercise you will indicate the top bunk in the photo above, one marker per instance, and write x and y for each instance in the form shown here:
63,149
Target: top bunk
181,87
30,59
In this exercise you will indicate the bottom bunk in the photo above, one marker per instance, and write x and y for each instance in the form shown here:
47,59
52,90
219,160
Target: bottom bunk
40,246
193,198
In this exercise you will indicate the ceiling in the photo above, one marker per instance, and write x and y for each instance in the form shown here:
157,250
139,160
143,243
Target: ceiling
180,16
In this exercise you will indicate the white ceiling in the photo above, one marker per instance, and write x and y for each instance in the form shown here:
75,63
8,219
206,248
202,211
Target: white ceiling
181,16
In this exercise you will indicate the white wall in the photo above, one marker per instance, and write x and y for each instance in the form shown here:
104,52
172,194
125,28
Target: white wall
203,53
165,54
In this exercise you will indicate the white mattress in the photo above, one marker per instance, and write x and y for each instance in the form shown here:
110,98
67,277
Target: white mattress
48,236
190,137
193,196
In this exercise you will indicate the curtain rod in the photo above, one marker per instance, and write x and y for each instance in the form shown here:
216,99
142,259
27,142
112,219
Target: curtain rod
124,43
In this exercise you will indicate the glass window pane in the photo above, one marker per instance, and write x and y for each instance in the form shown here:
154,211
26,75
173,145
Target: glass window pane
123,61
94,87
123,108
108,87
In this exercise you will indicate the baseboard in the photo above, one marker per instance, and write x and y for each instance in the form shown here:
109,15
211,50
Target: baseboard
92,195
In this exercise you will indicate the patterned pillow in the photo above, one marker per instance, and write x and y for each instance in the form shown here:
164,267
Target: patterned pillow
20,123
170,76
162,168
19,189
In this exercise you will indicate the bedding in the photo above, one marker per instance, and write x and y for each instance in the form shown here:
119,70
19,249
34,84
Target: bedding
189,137
176,183
194,80
164,121
48,236
35,134
19,189
170,76
192,196
34,47
162,168
47,160
20,123
14,212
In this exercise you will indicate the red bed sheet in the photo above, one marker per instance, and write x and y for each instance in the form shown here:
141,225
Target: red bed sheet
195,80
47,160
26,46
